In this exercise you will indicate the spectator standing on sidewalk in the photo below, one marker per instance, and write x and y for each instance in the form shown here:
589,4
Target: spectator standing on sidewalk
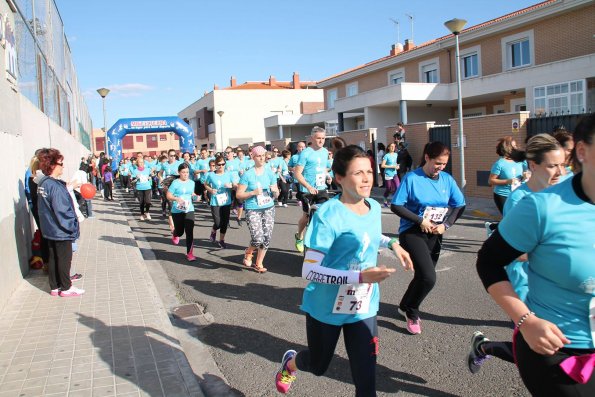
78,179
58,222
108,184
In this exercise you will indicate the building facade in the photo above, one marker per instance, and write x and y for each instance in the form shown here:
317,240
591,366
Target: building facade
40,106
148,144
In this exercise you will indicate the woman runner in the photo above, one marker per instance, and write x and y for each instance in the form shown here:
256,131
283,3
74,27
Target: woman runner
181,192
219,185
554,342
390,165
340,263
423,202
142,175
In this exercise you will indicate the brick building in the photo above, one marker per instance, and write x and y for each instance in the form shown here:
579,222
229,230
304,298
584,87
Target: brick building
149,144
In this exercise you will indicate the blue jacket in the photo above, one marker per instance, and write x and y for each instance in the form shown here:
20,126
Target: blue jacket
57,217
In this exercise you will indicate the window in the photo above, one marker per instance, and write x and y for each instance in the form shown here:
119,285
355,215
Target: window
429,71
139,138
127,142
517,50
351,89
162,137
331,97
100,144
396,76
560,98
152,141
470,66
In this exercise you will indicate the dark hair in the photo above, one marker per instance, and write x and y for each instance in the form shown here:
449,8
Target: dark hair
285,153
183,166
162,157
48,159
218,159
343,157
338,143
381,146
186,153
563,137
504,147
108,169
583,132
433,150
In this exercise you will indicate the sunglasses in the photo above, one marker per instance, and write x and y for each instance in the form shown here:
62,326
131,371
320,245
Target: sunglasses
60,164
220,164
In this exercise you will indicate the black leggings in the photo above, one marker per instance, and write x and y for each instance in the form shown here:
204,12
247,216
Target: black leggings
107,190
500,200
284,189
165,203
361,342
543,377
221,217
125,181
424,250
144,197
184,223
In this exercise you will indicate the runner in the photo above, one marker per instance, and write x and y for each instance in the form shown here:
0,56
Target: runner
565,139
124,170
291,166
423,202
142,176
108,184
390,165
181,193
506,173
258,190
546,162
341,265
200,174
219,184
285,181
553,340
310,172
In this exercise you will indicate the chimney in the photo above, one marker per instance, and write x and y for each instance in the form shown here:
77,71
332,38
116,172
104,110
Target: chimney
396,49
232,81
296,81
408,45
272,81
215,87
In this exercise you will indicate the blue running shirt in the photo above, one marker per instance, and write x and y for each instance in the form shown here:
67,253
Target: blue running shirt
144,180
349,242
185,190
253,182
506,170
390,159
314,167
552,226
218,181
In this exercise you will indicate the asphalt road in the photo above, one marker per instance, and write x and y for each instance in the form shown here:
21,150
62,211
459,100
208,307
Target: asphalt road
257,316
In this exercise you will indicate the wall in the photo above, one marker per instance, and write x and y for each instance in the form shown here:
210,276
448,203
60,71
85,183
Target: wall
416,135
482,134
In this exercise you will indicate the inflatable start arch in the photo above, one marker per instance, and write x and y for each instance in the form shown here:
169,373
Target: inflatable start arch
124,127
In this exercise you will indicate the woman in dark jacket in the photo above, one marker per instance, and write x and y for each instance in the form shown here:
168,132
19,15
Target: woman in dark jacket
58,222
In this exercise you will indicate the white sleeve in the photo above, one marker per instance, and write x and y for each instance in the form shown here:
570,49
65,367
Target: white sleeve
313,271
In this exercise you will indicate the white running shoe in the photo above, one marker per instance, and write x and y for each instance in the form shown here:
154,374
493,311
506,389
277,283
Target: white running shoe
148,216
142,218
73,291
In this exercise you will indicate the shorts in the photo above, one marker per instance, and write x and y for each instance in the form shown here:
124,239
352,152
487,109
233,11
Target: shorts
309,199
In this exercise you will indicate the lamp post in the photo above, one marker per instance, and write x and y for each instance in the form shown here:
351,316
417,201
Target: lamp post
220,113
455,26
103,92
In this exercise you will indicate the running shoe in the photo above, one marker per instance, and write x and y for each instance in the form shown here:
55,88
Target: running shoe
299,243
285,205
488,226
284,377
190,257
164,214
76,277
222,244
142,217
476,356
279,204
73,291
386,203
239,222
148,216
55,292
126,190
414,326
175,239
213,237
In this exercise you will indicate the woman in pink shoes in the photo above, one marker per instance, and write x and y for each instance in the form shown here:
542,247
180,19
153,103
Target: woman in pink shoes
58,222
181,193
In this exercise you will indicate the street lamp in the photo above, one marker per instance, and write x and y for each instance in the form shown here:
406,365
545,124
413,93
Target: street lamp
103,92
220,113
455,26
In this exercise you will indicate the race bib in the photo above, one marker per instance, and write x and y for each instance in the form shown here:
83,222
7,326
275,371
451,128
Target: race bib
435,214
353,299
263,199
320,179
142,178
221,199
185,207
515,184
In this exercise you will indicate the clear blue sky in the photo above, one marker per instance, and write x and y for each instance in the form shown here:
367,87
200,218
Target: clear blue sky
159,56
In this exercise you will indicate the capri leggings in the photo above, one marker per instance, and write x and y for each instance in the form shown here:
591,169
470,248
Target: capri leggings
184,223
260,224
361,342
391,186
500,201
221,217
542,375
424,249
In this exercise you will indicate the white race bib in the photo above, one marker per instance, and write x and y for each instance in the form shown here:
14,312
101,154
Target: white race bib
515,184
263,199
353,299
221,199
184,207
142,178
435,214
320,180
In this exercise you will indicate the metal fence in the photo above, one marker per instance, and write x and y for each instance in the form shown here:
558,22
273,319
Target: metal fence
442,134
549,124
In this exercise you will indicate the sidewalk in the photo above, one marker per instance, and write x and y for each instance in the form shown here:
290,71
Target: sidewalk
115,340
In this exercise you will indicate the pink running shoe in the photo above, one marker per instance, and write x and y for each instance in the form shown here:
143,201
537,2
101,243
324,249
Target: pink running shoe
55,292
190,256
73,291
175,239
414,326
284,377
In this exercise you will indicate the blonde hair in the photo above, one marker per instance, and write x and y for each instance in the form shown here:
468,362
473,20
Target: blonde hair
539,145
34,164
